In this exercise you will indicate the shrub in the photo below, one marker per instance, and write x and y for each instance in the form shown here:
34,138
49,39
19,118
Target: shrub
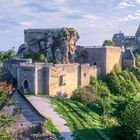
117,68
84,95
42,57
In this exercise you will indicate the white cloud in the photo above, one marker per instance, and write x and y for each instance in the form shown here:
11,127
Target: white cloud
27,24
135,16
124,5
137,1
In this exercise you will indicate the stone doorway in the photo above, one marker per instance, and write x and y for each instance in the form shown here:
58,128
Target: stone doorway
26,86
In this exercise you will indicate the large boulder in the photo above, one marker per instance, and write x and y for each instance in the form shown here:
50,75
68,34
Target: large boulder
58,44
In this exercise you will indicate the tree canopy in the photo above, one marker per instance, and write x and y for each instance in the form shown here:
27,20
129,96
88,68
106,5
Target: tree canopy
4,56
108,43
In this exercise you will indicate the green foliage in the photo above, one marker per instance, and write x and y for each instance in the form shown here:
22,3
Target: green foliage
37,57
117,68
122,83
83,95
136,72
137,57
102,102
5,120
42,57
4,56
99,86
108,43
82,121
130,119
51,128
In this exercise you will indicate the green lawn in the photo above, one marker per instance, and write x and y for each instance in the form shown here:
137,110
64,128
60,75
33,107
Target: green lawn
51,128
85,124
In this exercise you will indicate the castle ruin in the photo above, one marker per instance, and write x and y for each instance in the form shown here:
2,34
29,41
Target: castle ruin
73,64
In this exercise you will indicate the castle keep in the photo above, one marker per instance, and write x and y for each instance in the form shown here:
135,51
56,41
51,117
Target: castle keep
68,66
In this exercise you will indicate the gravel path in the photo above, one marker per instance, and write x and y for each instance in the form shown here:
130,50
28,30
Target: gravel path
46,109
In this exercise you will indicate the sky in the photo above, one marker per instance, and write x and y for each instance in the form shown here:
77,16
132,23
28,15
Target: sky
95,20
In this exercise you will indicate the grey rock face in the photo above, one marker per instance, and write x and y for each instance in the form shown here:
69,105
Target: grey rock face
59,44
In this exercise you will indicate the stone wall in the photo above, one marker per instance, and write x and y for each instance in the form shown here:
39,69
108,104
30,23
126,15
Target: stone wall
113,56
11,66
97,56
104,58
63,79
27,73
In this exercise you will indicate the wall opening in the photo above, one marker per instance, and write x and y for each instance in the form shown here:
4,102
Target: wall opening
26,85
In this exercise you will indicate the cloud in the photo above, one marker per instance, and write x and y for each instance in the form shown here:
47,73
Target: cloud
130,17
27,24
137,1
123,5
61,1
89,17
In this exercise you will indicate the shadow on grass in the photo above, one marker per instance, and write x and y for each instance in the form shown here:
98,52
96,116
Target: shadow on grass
93,134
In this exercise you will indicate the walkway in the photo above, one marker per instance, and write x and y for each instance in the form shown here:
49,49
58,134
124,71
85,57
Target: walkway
45,108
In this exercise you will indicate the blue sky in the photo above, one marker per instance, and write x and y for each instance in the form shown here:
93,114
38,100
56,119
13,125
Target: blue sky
95,20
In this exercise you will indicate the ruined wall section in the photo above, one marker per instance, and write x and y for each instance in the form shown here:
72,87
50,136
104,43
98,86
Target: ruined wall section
97,56
27,72
41,77
63,79
83,76
85,71
113,56
11,66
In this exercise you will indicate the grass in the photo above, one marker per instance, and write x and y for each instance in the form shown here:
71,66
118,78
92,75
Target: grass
51,128
85,124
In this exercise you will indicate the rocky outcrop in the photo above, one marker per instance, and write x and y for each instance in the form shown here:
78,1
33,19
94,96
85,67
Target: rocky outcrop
57,44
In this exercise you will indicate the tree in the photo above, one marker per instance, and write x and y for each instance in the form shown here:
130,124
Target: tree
4,56
108,43
42,57
5,119
130,120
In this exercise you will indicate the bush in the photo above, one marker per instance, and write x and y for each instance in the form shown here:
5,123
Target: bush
42,57
117,68
84,95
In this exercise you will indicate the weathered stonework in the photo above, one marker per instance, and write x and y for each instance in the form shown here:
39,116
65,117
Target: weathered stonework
104,58
75,64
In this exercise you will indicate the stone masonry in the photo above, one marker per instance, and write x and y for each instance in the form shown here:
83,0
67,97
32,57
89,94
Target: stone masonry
73,64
